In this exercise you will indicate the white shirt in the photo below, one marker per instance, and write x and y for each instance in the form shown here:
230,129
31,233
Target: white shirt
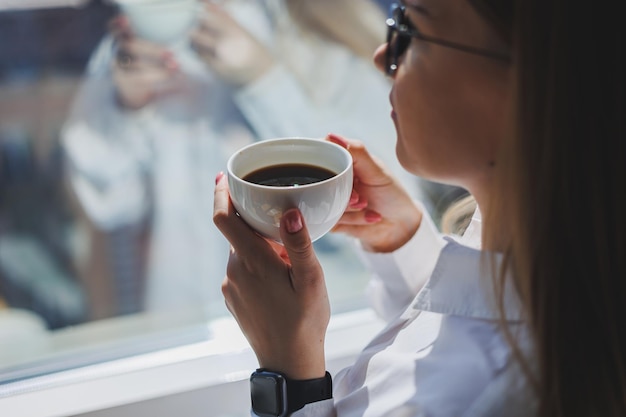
442,353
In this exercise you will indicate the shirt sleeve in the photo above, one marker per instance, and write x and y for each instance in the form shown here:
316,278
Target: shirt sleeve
324,408
398,276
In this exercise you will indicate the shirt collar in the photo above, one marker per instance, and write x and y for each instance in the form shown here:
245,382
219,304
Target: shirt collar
462,282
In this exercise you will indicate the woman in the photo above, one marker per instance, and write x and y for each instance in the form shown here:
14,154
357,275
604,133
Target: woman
493,96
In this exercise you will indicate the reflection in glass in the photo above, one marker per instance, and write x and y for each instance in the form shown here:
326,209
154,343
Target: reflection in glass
109,146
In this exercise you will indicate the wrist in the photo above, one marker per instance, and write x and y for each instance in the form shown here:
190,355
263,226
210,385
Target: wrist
298,372
303,358
251,75
391,245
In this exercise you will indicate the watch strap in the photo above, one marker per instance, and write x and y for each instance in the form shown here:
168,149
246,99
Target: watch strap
305,391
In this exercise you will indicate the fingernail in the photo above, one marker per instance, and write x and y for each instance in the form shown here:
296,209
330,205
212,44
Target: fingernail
219,177
359,204
338,139
354,197
372,217
293,221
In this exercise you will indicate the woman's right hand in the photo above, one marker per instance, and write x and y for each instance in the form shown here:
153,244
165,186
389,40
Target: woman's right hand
381,214
276,293
141,69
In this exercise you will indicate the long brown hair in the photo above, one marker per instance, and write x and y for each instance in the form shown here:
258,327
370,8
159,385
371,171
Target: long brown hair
562,185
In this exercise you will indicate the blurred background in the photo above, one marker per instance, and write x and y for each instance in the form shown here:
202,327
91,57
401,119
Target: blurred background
110,138
43,52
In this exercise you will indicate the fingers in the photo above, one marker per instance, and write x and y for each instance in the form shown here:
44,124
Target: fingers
295,236
205,44
212,24
298,249
360,218
237,232
356,231
134,51
367,168
215,17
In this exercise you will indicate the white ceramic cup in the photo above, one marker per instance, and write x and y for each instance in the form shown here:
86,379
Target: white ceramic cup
166,22
321,203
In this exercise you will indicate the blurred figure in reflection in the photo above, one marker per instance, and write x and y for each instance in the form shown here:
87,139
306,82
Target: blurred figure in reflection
36,272
152,125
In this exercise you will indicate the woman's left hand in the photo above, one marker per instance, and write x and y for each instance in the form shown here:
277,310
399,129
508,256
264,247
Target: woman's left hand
142,70
276,293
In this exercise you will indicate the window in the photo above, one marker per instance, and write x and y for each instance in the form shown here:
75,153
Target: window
108,152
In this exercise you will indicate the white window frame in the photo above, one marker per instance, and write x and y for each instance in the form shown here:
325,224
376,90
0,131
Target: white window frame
225,359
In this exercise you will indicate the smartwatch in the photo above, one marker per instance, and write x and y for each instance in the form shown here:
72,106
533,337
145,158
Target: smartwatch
275,395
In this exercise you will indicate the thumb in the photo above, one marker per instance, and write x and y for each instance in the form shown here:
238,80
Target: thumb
295,236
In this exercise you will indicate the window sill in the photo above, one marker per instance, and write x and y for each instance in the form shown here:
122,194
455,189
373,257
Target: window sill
226,358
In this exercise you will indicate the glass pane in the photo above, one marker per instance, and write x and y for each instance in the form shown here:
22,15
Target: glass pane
111,134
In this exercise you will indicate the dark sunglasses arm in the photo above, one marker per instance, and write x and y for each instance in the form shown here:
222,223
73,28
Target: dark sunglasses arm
465,48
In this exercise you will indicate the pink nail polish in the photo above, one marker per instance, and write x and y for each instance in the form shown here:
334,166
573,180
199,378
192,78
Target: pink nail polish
338,140
372,217
359,204
219,177
294,221
354,198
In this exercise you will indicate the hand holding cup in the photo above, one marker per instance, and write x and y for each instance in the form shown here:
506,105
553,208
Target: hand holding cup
142,70
276,293
381,213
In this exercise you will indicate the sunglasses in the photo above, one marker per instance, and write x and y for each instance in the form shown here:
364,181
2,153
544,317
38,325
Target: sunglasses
400,31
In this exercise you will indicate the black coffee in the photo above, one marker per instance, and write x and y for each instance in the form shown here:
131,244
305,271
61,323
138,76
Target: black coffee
286,175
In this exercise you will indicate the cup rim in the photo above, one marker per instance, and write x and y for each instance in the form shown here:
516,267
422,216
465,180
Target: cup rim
286,188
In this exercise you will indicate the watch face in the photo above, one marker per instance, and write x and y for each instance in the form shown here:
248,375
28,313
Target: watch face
267,394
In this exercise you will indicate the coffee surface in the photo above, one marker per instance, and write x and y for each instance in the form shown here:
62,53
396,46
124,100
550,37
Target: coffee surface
287,175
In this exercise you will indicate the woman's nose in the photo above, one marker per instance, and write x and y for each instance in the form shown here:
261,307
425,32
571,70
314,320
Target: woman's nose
379,58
